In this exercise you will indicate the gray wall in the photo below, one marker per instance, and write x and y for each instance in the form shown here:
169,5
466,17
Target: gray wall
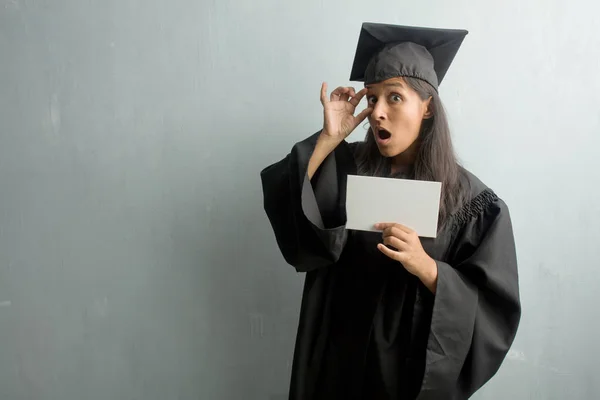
135,259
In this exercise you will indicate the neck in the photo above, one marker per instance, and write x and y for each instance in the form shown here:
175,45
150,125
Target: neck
400,168
404,161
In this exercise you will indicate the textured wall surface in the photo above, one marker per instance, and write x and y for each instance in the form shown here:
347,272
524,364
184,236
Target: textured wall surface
135,258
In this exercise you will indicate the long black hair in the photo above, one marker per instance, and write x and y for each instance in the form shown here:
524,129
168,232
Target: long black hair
435,160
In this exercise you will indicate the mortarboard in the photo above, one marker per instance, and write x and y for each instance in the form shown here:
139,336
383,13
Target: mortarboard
388,51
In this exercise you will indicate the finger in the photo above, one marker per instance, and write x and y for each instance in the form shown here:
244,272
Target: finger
337,93
323,93
394,255
357,97
349,92
396,243
345,93
364,114
382,226
396,233
389,231
405,228
385,225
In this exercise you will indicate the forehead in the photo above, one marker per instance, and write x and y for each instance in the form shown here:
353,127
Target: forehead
392,82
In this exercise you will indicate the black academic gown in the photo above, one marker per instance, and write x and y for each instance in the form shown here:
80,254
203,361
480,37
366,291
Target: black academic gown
367,328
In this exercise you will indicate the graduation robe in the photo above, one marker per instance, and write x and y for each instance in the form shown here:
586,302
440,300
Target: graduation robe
368,329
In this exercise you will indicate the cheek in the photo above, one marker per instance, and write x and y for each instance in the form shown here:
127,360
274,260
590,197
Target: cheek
408,120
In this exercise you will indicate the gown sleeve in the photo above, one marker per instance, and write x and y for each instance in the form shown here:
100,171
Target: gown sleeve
476,309
308,216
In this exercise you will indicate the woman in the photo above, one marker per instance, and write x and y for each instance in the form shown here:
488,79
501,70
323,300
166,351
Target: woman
389,315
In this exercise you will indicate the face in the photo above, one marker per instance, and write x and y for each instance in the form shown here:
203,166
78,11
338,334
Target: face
398,112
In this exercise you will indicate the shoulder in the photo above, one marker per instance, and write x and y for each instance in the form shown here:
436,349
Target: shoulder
479,201
471,184
354,147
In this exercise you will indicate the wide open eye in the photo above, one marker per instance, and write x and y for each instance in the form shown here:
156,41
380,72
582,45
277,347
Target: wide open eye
395,98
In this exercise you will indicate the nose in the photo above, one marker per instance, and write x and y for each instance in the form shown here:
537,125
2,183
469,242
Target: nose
379,111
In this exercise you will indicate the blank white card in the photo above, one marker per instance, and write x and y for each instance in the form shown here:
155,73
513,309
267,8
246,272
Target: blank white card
415,204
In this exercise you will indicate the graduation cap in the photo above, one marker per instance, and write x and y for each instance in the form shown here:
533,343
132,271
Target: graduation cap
389,51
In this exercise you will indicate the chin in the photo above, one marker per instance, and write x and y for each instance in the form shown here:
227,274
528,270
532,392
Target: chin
390,151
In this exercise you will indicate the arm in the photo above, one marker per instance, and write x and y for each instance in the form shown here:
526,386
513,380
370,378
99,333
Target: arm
323,148
308,217
304,194
476,309
429,276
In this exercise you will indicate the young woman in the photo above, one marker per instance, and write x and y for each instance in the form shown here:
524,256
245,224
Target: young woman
390,315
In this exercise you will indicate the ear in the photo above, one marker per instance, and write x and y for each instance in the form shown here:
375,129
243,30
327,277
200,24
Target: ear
428,112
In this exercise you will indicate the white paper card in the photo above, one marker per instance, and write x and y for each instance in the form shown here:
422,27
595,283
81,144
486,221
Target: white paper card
415,204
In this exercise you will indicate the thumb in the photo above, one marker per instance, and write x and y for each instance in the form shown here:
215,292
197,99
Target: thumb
364,114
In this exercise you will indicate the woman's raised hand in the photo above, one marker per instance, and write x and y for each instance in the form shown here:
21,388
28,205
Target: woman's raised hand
339,119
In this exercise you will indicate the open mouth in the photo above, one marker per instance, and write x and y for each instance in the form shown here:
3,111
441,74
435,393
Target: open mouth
383,134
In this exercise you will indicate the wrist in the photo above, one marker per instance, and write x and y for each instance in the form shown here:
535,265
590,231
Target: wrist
324,146
429,274
327,140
